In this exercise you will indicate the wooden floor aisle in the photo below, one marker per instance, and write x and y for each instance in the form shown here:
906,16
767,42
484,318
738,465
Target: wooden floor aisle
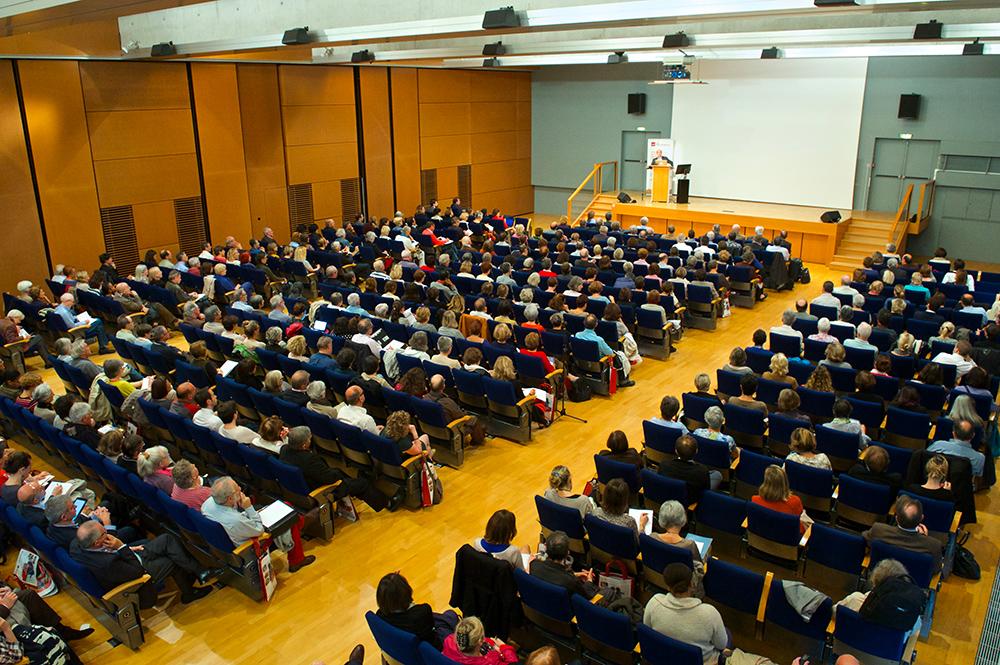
319,612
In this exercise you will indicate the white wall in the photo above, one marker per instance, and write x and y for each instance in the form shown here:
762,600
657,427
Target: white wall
779,131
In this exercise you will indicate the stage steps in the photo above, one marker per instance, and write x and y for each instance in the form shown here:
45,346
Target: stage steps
601,204
869,232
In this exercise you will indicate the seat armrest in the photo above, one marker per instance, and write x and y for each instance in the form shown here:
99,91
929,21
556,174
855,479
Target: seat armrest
607,359
455,423
744,524
410,461
596,599
830,627
79,328
238,551
955,521
134,315
526,401
20,342
553,373
765,592
320,491
680,310
805,536
347,266
125,587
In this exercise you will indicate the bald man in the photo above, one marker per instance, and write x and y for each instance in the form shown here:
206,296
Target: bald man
354,413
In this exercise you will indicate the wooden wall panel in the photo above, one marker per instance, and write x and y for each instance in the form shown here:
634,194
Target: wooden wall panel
445,118
123,134
146,179
57,125
522,121
439,85
309,125
524,145
220,137
493,146
326,161
447,183
260,112
406,138
327,200
155,226
115,86
22,227
494,118
438,151
377,140
306,85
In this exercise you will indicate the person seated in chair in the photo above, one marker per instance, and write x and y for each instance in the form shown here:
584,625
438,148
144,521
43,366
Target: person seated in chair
556,567
394,597
470,646
697,476
113,563
683,617
619,450
873,468
908,532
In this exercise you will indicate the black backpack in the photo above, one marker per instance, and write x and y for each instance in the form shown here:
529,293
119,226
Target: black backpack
579,391
895,603
965,564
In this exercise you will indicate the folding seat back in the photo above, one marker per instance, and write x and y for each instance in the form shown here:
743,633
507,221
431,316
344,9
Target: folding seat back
842,378
902,367
609,469
750,472
773,533
907,429
860,359
694,409
447,438
870,643
818,405
510,411
784,625
932,397
768,391
815,350
263,402
736,592
604,633
790,345
610,541
841,447
471,392
746,426
554,517
659,649
658,442
720,517
779,432
869,414
546,606
728,383
714,454
886,386
861,502
811,484
289,412
351,446
834,560
657,555
657,488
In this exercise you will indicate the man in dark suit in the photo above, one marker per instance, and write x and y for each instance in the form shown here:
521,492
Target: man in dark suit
63,521
296,393
112,563
934,304
695,475
318,473
456,207
160,335
554,568
908,532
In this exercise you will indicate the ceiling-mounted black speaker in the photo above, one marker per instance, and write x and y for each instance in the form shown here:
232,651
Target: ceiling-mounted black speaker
494,49
770,53
164,49
637,103
362,56
296,36
830,216
975,48
930,30
491,62
909,107
676,40
505,17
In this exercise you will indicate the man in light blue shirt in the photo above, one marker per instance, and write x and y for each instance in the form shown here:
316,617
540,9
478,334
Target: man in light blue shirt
182,262
66,312
860,339
354,304
968,304
589,332
231,508
960,445
669,408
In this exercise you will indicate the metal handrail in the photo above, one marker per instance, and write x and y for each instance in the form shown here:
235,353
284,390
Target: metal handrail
597,174
899,225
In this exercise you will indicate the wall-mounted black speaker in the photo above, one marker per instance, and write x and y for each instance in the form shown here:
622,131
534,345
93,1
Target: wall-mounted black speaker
637,102
930,30
623,197
505,17
494,49
683,190
296,36
909,106
830,216
164,49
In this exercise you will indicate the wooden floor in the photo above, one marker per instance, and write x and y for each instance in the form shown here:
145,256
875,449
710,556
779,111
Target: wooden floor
318,613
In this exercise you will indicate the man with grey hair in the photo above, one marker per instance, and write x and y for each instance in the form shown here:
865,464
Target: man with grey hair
113,563
715,419
66,311
279,312
378,270
364,336
160,336
324,356
822,333
318,402
845,288
80,352
11,332
787,319
382,310
443,356
860,340
354,304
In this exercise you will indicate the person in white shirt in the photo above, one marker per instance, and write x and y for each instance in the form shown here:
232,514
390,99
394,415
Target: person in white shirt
206,252
845,288
205,416
443,356
364,336
827,298
959,358
860,340
228,414
354,413
787,319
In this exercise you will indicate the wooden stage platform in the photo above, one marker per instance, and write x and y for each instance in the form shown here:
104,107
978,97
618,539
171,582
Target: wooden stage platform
812,240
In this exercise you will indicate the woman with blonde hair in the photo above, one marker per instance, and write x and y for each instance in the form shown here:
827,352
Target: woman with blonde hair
274,382
299,256
904,345
501,334
110,444
470,646
820,380
560,491
936,485
775,494
399,428
271,435
779,371
153,467
298,349
945,335
803,450
503,370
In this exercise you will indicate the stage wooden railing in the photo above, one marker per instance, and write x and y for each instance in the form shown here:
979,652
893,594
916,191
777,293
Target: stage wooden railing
905,223
596,176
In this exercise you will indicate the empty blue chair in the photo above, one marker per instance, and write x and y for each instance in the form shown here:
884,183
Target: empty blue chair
608,469
903,367
779,432
907,429
861,502
842,378
658,649
555,517
768,391
815,350
816,404
721,517
811,484
869,414
860,359
736,592
919,565
610,541
714,454
658,441
841,447
289,412
263,402
548,608
790,345
834,560
604,633
694,409
657,488
728,382
510,410
749,472
746,426
471,391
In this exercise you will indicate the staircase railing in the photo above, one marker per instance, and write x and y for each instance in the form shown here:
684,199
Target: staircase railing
897,235
596,177
924,205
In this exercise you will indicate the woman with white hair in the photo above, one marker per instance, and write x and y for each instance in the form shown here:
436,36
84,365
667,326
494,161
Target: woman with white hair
141,274
672,518
964,408
153,467
715,419
822,333
469,645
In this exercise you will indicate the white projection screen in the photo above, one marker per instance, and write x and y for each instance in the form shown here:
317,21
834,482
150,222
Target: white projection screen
777,131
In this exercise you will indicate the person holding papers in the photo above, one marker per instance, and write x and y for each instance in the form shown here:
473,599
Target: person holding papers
231,508
614,507
673,518
67,312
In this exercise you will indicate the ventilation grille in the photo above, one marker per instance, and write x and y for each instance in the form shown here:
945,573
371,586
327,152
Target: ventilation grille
190,217
428,185
350,198
300,206
118,225
465,183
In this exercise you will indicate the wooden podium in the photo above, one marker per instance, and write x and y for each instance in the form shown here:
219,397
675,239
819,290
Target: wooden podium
661,183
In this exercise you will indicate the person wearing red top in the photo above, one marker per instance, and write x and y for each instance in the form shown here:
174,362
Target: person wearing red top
470,646
188,488
775,494
429,232
532,342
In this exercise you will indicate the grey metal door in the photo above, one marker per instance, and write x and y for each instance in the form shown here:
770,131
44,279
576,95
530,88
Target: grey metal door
634,159
896,164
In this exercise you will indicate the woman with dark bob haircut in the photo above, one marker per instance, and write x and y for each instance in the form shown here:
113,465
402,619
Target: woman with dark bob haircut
394,597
